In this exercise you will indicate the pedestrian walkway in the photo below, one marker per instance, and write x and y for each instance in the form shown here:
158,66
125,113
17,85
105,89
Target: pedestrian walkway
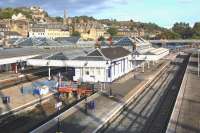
185,117
87,122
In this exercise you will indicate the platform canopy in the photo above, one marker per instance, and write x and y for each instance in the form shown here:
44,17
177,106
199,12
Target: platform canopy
150,54
81,58
8,56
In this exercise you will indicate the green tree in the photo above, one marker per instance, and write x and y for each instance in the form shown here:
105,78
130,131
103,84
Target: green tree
112,31
168,35
7,13
59,19
101,38
183,29
196,31
76,33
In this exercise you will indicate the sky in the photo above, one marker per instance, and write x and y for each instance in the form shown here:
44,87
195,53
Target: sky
162,12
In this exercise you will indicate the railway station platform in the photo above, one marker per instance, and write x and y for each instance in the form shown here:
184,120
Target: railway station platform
79,120
185,117
17,99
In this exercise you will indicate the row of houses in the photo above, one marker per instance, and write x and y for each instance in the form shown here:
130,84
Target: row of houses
50,31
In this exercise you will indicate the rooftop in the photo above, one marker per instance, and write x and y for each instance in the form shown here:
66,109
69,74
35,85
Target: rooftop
67,54
67,40
110,53
18,52
50,26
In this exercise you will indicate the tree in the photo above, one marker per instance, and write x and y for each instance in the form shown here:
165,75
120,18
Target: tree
196,31
7,13
183,29
112,31
101,38
168,35
76,33
59,19
131,20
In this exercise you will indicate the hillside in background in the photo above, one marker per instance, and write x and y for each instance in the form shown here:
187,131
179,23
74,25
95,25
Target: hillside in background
178,31
6,13
146,26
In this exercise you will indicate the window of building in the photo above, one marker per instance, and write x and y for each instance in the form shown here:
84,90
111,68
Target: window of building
99,71
87,72
109,72
92,71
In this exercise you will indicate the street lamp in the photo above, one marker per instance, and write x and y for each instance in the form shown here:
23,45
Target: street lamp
110,76
84,65
49,70
134,59
105,74
58,107
16,67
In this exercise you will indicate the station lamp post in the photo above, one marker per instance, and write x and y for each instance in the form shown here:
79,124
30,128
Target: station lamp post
49,70
84,66
110,86
134,60
58,107
108,75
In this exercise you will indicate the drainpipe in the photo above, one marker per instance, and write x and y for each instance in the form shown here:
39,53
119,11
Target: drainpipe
49,73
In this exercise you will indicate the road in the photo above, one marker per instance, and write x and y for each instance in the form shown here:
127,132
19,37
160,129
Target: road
151,111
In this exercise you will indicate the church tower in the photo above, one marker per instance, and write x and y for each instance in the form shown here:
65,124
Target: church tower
65,17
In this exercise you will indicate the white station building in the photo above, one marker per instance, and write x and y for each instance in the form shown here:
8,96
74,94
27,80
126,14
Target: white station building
99,65
104,64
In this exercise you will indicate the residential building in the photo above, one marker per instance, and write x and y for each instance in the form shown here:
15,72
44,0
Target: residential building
38,14
4,27
90,31
20,26
50,31
53,31
1,39
37,30
12,34
19,16
127,32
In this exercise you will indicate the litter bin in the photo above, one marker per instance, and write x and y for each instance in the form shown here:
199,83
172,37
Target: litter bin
92,105
6,99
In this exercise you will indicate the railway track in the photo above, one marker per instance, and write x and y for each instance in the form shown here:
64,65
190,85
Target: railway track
160,118
28,77
151,111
